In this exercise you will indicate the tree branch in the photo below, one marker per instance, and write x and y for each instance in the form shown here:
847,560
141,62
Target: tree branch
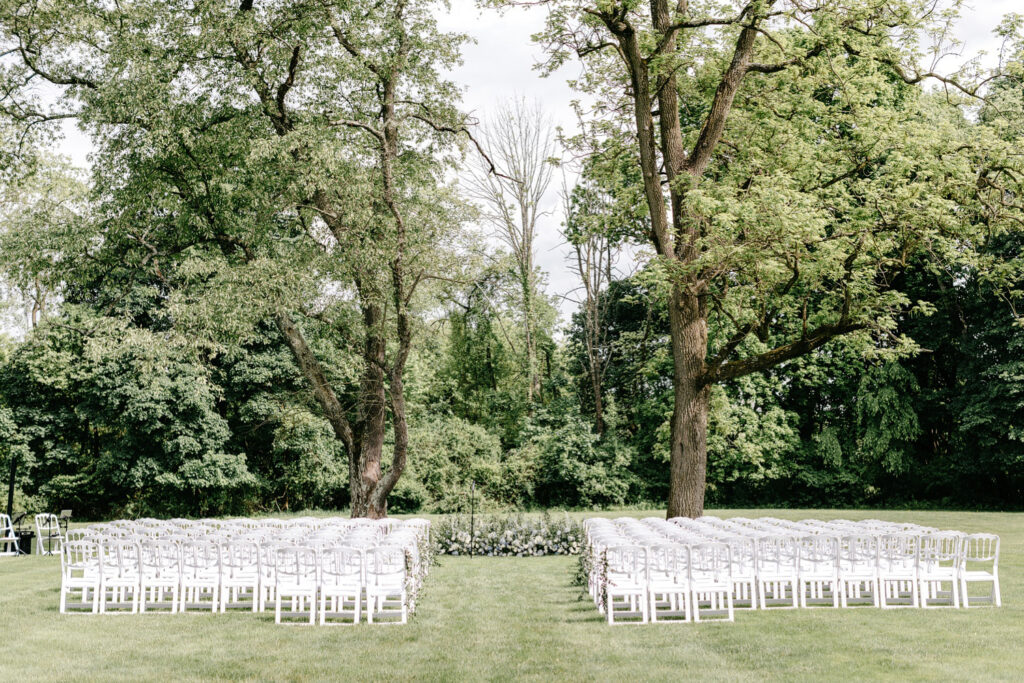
780,354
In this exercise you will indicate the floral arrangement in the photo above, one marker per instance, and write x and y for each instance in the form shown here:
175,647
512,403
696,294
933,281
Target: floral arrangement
508,535
418,561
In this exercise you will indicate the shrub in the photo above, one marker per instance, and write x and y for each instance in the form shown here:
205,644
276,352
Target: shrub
449,453
574,466
508,535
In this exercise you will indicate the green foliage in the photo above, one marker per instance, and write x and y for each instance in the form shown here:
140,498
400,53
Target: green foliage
120,421
576,468
450,454
235,181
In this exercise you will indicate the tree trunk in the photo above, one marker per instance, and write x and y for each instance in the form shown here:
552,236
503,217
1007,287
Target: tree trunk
595,383
533,380
688,446
373,423
10,486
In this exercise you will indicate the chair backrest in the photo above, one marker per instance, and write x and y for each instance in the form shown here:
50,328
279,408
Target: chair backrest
295,565
77,557
776,555
342,564
6,527
744,555
818,553
119,558
200,558
981,548
47,525
160,559
940,550
898,551
668,562
858,552
627,560
384,563
79,535
711,561
240,557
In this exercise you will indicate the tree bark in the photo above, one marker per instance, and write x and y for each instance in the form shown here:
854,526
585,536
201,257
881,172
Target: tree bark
372,423
10,486
688,445
598,405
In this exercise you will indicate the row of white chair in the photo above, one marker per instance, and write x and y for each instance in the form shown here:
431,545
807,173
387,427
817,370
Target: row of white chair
249,563
635,566
131,576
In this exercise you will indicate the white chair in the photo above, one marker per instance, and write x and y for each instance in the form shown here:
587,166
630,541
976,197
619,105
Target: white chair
8,539
200,575
240,575
268,573
296,576
80,571
119,576
818,570
744,571
386,576
711,581
938,566
668,578
776,571
897,569
625,577
858,569
979,550
80,535
48,534
342,577
160,573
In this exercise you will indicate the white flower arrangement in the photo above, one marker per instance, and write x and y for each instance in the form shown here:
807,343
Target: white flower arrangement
508,536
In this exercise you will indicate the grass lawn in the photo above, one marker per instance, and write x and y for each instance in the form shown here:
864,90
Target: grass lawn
519,618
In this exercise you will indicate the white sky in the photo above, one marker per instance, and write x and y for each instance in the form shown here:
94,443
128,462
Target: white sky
499,66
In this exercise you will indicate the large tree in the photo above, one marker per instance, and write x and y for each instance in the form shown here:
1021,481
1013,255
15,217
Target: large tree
791,162
263,160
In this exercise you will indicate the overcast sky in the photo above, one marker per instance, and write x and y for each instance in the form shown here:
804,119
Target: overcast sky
499,66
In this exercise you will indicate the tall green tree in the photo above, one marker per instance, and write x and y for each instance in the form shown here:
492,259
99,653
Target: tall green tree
790,163
265,160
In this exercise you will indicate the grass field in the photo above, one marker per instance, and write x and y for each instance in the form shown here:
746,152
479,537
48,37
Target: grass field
520,618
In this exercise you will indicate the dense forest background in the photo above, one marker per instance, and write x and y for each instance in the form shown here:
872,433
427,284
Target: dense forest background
253,283
102,419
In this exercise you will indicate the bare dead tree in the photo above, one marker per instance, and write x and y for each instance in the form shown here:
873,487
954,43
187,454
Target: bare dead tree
510,183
